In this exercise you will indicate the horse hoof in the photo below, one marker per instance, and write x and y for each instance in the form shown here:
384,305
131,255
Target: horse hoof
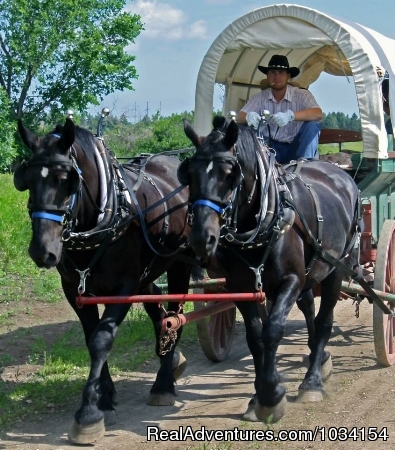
109,418
309,396
271,414
179,365
326,369
86,434
166,399
249,415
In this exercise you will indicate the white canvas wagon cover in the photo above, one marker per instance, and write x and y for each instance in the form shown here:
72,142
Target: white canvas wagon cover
313,41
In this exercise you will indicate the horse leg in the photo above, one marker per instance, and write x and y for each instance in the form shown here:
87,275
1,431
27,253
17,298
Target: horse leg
172,362
306,304
253,326
311,388
88,425
89,318
272,402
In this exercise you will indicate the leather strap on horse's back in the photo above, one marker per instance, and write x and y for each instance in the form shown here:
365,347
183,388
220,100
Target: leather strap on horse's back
339,264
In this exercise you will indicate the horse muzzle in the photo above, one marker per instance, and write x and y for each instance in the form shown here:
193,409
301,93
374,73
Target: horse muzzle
203,244
46,245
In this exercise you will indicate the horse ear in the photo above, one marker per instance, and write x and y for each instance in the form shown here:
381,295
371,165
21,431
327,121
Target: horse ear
191,133
182,173
219,123
231,135
68,135
28,138
19,177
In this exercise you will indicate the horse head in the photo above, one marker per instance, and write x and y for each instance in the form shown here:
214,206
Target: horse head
52,179
212,174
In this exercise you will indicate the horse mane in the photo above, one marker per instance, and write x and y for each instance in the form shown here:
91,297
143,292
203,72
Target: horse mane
247,144
83,137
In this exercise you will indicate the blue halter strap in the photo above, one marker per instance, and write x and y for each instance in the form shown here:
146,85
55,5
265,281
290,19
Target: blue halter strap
210,204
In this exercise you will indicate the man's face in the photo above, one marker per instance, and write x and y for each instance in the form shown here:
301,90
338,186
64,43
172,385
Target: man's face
278,78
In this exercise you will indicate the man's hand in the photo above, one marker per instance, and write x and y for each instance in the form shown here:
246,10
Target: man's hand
253,119
282,118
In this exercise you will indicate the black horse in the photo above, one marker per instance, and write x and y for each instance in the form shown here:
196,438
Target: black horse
291,224
109,229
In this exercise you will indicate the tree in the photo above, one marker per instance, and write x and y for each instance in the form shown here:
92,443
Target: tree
60,54
7,130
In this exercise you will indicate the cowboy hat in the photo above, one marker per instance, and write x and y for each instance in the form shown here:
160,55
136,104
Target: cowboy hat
278,62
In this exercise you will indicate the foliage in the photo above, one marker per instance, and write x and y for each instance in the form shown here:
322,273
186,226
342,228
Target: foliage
64,54
151,135
341,121
8,150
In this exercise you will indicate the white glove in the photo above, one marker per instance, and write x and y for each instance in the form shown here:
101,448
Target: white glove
253,119
282,118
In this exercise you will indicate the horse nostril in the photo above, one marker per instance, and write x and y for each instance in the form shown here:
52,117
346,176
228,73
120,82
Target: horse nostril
50,260
211,241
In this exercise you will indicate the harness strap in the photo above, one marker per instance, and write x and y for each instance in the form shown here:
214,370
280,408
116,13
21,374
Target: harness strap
140,216
84,273
48,216
320,226
355,275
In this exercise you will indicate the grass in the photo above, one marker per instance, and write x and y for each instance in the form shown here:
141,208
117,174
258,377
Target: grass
63,365
325,149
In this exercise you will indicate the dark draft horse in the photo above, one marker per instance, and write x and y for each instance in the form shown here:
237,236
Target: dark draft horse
109,229
273,228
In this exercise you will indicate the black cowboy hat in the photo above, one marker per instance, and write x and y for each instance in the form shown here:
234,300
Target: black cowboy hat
280,62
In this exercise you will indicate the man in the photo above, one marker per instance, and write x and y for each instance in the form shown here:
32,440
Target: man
293,129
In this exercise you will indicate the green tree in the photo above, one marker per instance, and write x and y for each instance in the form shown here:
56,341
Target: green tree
150,135
60,54
8,149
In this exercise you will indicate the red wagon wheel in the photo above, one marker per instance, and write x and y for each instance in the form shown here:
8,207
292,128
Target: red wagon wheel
215,332
384,280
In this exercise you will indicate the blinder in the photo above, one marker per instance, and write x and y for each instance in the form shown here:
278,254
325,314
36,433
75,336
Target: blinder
237,176
182,173
74,176
19,177
184,178
75,181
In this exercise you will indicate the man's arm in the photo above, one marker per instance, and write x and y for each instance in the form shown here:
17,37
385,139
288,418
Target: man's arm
306,115
241,117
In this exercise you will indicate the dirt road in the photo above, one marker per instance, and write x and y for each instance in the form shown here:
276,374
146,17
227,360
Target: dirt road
213,396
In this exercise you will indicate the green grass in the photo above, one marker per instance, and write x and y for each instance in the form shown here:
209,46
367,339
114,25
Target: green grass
324,149
63,365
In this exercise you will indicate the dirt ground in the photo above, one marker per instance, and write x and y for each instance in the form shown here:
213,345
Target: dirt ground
212,396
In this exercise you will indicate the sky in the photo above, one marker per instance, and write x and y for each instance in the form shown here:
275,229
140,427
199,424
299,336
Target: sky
178,34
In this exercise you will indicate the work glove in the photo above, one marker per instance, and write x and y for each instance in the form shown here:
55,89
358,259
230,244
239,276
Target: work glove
253,119
282,118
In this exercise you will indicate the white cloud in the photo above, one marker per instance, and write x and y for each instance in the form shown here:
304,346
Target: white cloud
163,21
198,30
